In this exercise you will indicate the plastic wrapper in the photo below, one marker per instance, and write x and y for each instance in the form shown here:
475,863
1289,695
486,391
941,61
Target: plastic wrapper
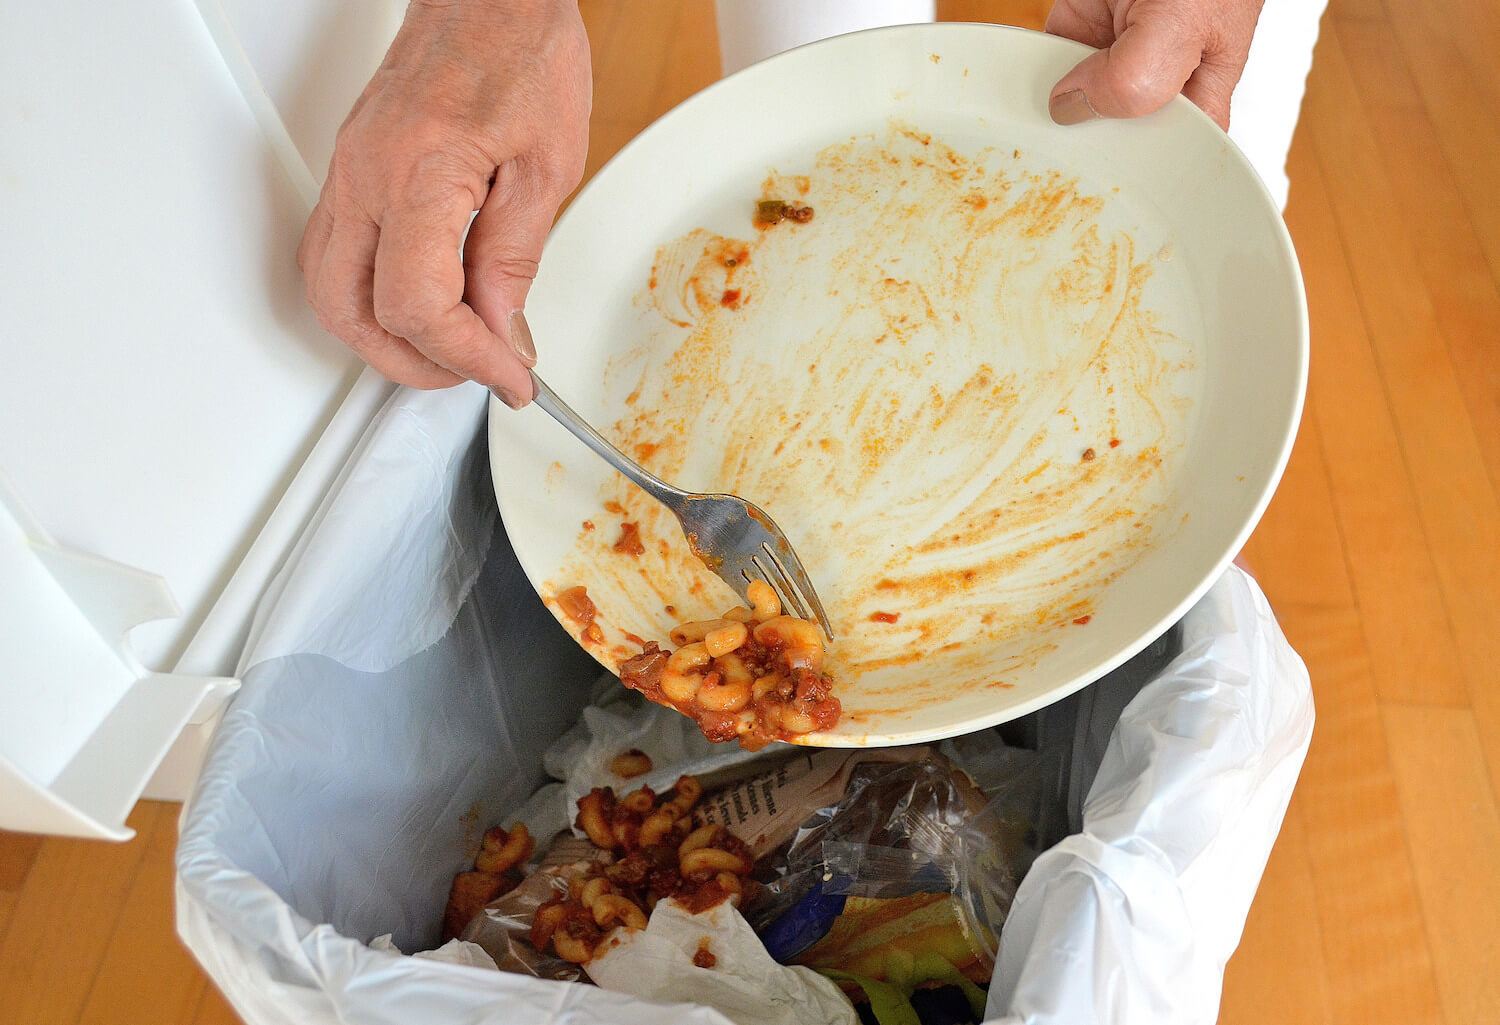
503,928
770,807
902,884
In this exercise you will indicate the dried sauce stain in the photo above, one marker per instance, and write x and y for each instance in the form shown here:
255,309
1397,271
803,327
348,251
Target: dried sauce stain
469,823
928,326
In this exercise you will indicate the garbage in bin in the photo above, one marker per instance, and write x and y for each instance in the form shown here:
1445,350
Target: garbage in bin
902,884
882,870
585,907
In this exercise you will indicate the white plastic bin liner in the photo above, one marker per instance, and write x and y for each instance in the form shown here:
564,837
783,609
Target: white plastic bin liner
403,681
1133,919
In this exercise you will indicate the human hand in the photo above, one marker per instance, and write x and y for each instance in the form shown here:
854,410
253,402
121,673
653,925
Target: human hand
479,105
1150,50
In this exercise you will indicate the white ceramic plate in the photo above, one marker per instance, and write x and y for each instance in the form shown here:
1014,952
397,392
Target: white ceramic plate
1026,389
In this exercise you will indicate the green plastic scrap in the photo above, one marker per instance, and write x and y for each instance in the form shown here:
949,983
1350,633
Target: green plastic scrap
890,1001
930,967
889,1004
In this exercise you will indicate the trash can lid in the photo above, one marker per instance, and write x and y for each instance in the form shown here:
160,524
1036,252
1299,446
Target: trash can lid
174,412
173,380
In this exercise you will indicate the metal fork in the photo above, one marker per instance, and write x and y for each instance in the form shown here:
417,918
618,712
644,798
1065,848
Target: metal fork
734,538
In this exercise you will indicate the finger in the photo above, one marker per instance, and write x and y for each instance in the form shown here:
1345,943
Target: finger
503,249
344,300
1143,69
419,290
314,239
1089,23
1212,85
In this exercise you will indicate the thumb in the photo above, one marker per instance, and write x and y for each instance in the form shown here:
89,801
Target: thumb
500,260
1144,68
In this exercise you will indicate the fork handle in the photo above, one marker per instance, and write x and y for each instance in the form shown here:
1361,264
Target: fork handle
653,485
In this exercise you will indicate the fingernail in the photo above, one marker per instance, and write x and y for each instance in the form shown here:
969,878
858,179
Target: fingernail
1072,108
520,339
507,396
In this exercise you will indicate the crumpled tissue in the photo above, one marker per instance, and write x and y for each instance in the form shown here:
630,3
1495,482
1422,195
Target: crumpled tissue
745,985
614,721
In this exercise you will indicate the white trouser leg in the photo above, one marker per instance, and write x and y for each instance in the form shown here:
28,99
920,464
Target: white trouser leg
1269,98
752,30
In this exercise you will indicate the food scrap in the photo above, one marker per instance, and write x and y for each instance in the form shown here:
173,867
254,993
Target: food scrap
884,617
631,763
1088,455
731,298
703,957
496,871
753,674
630,540
657,854
774,211
577,606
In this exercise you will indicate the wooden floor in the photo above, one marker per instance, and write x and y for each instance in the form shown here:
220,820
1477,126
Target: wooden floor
1381,554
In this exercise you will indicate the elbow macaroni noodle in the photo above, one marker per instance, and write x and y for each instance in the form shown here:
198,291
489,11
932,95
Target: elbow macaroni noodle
657,853
754,674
